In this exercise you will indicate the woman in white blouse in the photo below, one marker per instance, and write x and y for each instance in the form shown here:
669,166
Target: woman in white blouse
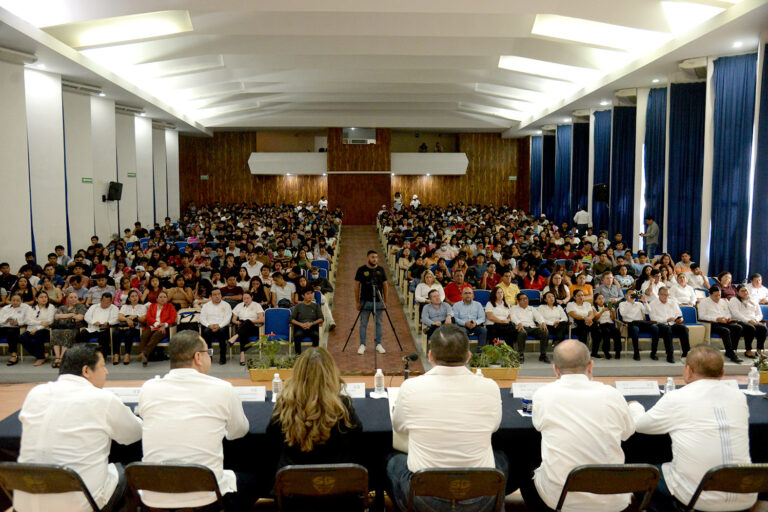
606,322
558,288
246,317
426,285
133,315
554,317
498,319
682,292
583,315
12,317
749,316
39,320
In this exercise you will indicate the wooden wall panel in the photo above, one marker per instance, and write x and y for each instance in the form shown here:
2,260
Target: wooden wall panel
491,161
224,158
408,142
363,157
359,195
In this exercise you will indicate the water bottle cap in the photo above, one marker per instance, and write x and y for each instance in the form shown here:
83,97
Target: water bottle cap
277,375
378,371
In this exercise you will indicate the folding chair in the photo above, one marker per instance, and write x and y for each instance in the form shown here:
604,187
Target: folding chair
277,321
170,479
612,479
322,487
458,484
42,479
534,296
735,478
482,296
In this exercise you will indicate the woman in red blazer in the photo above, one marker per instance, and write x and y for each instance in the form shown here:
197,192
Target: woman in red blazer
161,315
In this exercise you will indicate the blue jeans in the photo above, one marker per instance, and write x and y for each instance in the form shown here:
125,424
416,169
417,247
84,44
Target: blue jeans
365,314
400,478
651,250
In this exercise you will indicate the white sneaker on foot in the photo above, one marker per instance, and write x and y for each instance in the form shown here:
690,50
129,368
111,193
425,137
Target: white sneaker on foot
380,349
361,349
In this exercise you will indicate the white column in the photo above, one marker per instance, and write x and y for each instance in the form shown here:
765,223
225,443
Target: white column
78,149
160,165
172,157
16,231
46,160
640,121
126,169
709,160
104,166
144,177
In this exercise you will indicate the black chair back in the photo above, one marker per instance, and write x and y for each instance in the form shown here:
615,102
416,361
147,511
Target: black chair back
612,479
458,484
735,478
42,479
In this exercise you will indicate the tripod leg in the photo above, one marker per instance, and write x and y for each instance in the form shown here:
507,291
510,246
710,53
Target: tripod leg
351,331
393,329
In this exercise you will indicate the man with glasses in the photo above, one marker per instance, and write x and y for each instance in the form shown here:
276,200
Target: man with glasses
186,416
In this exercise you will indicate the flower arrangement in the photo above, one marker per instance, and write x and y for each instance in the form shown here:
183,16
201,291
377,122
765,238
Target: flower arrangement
761,363
267,352
496,353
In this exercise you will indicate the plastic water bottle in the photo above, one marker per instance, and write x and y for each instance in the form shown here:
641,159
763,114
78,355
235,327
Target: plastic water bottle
753,380
479,372
378,381
277,386
670,385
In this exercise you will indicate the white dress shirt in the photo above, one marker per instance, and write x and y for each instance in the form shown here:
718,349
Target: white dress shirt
526,316
662,312
500,311
584,310
551,315
747,311
71,422
186,416
757,294
98,315
683,295
20,314
253,270
215,314
138,310
581,422
634,312
654,287
36,317
709,425
248,313
698,281
449,415
710,311
422,291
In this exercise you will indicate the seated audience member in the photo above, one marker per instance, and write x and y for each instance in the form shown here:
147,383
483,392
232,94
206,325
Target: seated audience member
187,414
427,284
490,278
181,296
533,281
650,287
94,294
283,292
313,421
100,318
609,289
727,289
133,314
583,315
151,291
747,313
757,292
511,289
709,426
232,293
39,321
321,284
682,292
528,323
558,288
581,422
633,314
435,313
714,310
259,292
246,317
26,291
161,316
215,316
665,312
67,321
449,415
554,317
497,318
606,322
469,315
697,279
642,262
454,290
306,318
684,265
72,422
602,265
583,286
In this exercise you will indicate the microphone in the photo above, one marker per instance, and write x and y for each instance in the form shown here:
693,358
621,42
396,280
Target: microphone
411,357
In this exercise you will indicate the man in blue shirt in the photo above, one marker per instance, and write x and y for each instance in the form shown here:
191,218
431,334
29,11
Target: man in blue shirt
469,315
436,313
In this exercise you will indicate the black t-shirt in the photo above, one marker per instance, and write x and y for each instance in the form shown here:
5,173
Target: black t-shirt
365,276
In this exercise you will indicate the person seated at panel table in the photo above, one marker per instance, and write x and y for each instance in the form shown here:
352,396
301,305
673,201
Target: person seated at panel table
449,415
581,422
72,422
187,414
693,416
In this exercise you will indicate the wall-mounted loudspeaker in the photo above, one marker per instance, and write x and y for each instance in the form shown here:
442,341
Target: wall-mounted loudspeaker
600,193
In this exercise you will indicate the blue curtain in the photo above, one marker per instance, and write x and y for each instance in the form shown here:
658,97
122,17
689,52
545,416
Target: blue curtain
622,201
758,260
655,149
687,105
547,175
580,167
562,199
602,172
733,83
535,176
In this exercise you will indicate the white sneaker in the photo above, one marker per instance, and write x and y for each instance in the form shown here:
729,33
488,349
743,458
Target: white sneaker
361,349
380,349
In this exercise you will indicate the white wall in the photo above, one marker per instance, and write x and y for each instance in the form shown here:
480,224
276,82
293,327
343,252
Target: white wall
172,158
16,230
159,168
144,176
126,164
104,165
78,148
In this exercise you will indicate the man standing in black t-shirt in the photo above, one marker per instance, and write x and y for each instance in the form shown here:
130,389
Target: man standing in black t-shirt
366,277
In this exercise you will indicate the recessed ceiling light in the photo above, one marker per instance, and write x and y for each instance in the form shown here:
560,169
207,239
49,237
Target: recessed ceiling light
567,119
655,80
287,174
393,174
324,174
143,114
539,132
102,94
604,103
428,174
738,44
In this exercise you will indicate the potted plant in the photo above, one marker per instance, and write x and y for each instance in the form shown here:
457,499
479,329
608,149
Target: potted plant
267,356
762,366
497,360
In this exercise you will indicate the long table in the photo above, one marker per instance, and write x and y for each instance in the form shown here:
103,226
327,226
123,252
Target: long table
516,437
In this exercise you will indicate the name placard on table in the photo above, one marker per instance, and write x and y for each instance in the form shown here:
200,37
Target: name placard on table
251,393
638,387
523,389
354,389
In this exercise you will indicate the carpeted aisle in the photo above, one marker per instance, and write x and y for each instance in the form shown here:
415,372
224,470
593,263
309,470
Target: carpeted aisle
356,242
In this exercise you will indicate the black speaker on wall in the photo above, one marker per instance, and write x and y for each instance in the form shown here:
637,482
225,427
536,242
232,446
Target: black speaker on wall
600,193
115,191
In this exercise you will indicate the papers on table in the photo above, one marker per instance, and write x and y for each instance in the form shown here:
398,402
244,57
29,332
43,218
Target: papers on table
399,441
251,393
523,389
638,387
524,414
355,389
126,395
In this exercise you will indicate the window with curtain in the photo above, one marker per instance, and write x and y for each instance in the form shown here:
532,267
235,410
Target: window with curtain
548,175
535,176
655,156
562,198
733,83
622,201
758,260
580,167
602,171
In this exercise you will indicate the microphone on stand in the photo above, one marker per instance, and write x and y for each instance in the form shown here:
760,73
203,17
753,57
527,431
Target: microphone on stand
407,359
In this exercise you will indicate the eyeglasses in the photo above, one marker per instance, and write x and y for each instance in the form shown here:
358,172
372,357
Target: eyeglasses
208,351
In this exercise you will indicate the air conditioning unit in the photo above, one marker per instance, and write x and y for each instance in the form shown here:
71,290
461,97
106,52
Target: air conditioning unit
697,66
358,141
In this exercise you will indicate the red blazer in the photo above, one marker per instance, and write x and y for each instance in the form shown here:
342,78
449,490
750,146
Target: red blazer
167,315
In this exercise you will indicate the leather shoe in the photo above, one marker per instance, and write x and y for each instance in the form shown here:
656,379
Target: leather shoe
671,359
608,355
636,357
543,358
736,359
596,356
654,357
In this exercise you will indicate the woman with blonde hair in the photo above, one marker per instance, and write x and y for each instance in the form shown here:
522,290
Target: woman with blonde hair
313,422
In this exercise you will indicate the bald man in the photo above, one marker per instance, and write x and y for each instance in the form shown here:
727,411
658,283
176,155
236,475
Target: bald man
708,422
581,422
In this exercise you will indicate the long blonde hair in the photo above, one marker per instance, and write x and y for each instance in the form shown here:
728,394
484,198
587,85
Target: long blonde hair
310,405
